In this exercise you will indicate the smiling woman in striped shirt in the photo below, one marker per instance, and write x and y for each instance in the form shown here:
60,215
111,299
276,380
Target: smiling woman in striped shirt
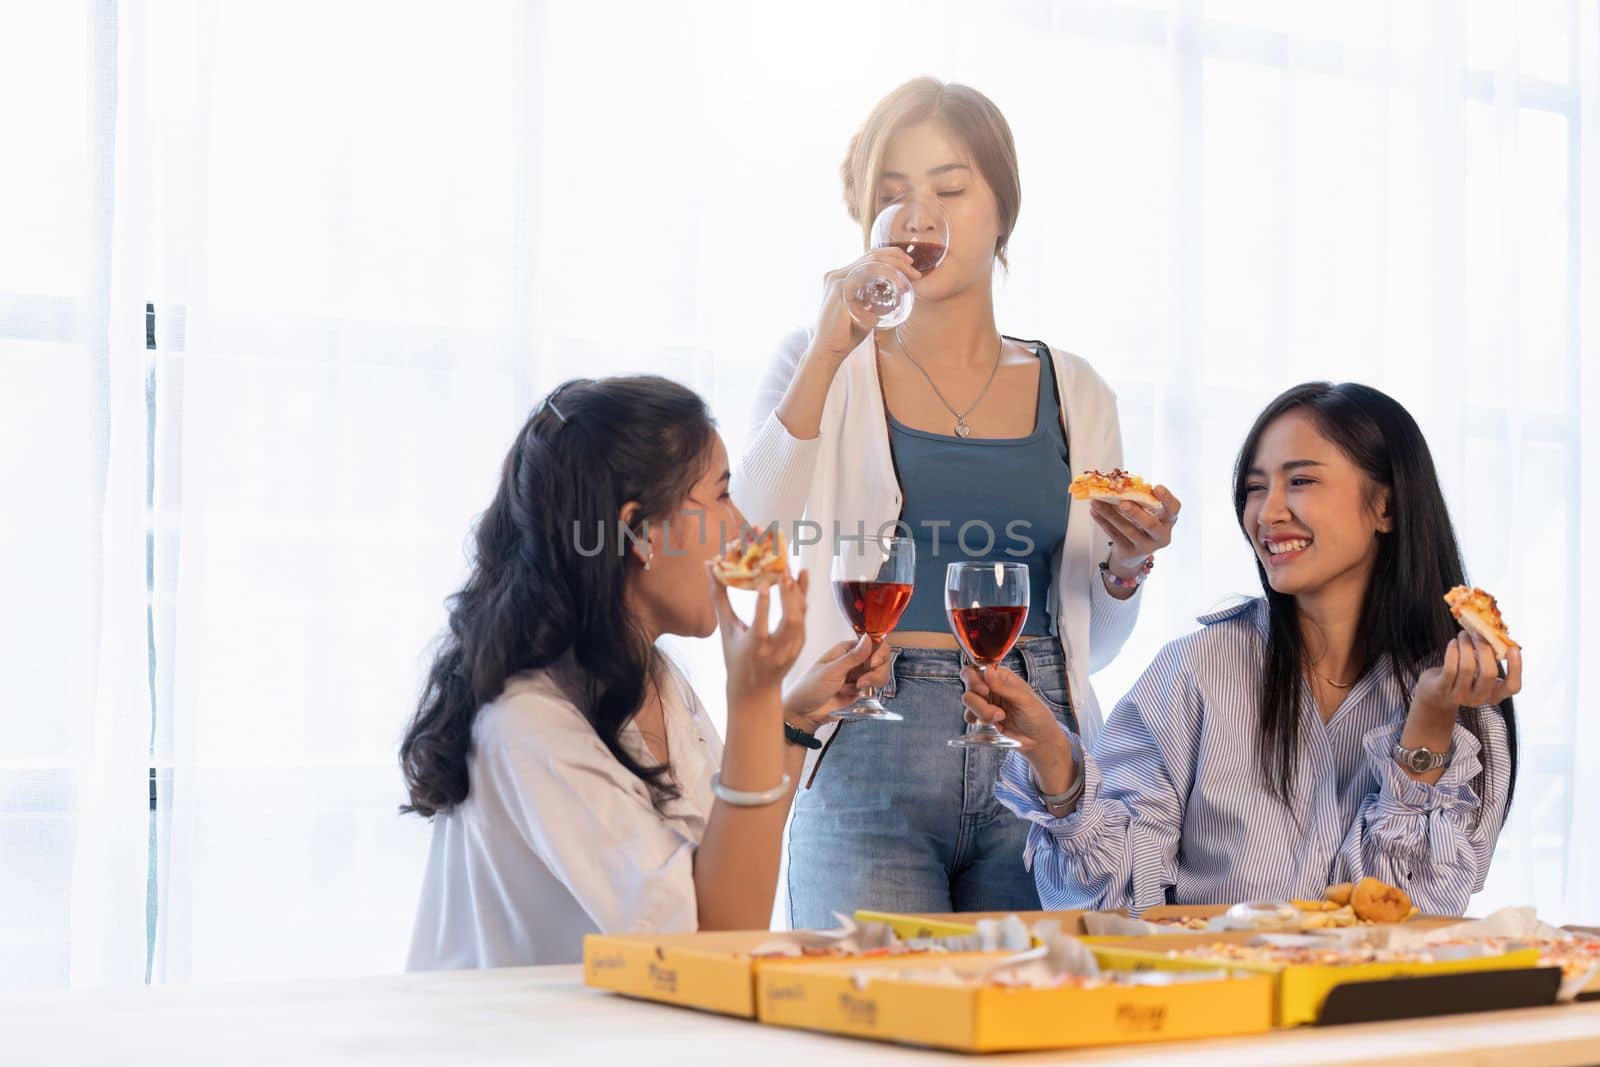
1273,752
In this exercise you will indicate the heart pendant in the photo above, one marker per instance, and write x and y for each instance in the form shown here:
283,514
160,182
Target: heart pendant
962,430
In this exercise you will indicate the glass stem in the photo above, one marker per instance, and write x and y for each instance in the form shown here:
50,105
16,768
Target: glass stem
870,692
985,727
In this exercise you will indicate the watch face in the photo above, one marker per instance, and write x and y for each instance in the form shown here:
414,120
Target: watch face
1421,759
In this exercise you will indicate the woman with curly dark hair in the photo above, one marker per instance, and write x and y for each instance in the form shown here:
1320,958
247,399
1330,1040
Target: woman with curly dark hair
574,781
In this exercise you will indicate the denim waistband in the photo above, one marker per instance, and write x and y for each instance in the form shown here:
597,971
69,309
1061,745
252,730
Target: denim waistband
1030,657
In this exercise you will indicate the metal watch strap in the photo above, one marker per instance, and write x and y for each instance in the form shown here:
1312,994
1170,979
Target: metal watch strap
1419,760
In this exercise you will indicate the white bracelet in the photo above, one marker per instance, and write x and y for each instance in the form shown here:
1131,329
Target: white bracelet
741,799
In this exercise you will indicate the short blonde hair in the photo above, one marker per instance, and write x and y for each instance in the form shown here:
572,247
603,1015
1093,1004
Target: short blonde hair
967,114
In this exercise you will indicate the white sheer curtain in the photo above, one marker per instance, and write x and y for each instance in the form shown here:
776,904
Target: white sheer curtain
75,711
374,233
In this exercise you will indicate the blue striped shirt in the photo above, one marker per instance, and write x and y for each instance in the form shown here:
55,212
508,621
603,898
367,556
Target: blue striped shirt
1174,808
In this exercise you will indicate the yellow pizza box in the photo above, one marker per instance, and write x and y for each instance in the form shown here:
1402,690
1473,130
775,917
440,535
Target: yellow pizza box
837,997
709,971
909,925
1302,989
1169,912
1591,989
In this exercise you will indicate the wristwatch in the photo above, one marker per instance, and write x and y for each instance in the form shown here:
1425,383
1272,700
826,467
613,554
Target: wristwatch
1419,760
796,736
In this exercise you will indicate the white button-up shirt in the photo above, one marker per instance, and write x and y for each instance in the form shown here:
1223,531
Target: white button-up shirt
556,839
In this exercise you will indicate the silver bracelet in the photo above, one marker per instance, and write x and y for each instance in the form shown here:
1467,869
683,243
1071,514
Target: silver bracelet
1056,800
739,798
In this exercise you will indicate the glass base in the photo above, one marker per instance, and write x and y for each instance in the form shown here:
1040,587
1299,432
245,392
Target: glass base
867,709
984,737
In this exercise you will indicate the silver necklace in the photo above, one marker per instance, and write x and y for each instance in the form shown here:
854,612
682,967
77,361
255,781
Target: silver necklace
962,429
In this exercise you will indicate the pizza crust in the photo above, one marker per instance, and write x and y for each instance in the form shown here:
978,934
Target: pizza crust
1138,498
1485,629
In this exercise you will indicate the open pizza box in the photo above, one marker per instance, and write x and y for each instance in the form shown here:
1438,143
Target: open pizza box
949,924
1164,913
948,1003
717,971
1364,992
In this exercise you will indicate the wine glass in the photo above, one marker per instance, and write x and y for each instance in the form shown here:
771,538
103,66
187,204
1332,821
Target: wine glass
879,296
987,604
872,582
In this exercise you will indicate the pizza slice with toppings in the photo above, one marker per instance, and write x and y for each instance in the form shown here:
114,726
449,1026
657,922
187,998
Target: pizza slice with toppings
1116,485
1478,613
753,561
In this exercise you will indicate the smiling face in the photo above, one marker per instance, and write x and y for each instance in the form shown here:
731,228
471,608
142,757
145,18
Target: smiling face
1313,516
925,160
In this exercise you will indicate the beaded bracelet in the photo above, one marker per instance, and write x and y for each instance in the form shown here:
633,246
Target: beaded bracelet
1128,583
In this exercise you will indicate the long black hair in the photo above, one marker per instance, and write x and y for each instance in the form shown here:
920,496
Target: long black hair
550,571
1403,615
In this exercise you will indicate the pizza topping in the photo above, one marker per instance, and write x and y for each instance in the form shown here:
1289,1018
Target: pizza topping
752,560
1115,485
1379,902
1476,610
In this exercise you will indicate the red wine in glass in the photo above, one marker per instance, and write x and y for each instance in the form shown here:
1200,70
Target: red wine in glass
925,255
988,605
872,583
873,608
988,633
879,296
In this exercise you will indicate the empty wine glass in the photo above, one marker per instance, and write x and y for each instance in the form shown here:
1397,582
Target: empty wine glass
988,605
872,582
879,296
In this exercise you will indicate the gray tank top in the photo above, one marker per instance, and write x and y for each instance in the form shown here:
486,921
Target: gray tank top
993,500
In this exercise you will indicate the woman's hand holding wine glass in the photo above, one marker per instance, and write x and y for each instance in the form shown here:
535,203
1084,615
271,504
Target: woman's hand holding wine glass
909,239
988,606
837,331
998,698
835,681
872,584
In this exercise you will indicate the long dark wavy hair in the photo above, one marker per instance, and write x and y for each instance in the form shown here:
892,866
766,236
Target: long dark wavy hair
538,586
1403,615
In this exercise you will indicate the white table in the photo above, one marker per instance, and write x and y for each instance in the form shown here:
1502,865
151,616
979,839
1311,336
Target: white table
539,1015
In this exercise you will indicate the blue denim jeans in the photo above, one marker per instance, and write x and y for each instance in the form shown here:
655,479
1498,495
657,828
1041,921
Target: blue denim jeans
896,820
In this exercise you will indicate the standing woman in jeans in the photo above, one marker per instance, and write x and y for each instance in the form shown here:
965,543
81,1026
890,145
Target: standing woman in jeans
857,431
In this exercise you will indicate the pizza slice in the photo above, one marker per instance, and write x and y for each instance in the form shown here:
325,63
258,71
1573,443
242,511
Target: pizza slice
753,561
1115,486
1478,613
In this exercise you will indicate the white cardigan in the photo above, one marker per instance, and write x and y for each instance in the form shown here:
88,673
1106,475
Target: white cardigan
846,474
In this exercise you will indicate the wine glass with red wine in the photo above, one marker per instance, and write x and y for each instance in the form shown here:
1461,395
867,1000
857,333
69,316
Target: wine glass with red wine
987,604
872,582
879,296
